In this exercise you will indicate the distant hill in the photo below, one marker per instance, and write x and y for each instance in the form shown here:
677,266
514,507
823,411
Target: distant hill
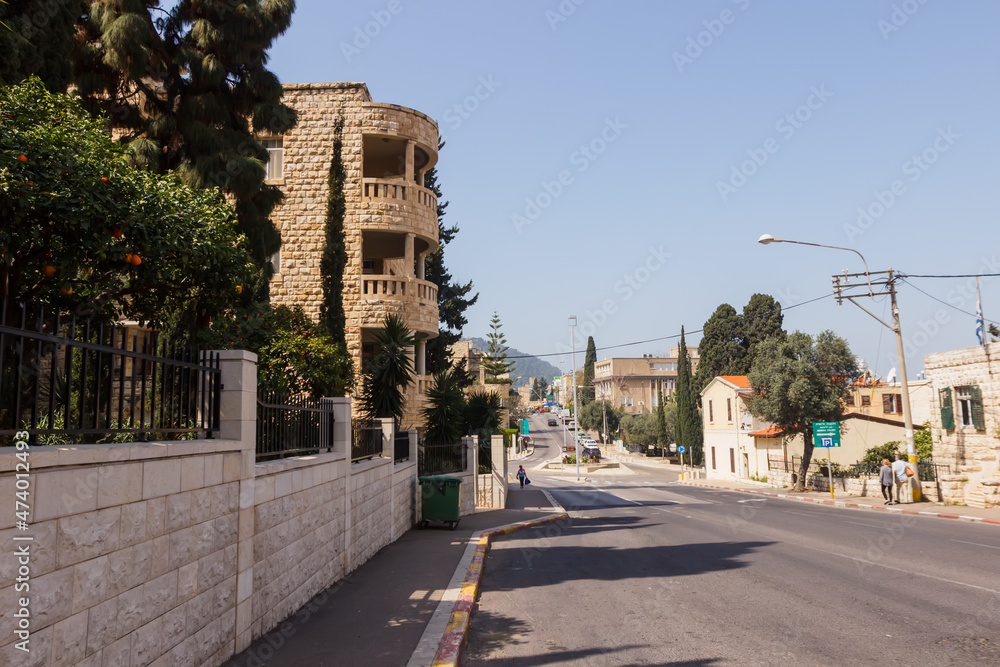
525,367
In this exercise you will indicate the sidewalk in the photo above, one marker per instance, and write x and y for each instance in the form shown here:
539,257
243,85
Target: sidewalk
925,508
377,614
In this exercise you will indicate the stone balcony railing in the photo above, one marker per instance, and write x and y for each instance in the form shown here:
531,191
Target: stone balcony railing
395,205
414,299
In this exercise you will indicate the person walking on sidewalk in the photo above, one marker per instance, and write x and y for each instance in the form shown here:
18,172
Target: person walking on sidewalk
899,471
885,478
521,475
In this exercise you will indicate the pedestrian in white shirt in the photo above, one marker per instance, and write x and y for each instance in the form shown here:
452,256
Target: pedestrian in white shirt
899,472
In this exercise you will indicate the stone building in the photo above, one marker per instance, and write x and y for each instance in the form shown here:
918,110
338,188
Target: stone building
634,383
965,421
391,222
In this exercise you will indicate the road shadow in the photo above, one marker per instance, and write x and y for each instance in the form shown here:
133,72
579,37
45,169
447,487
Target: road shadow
554,565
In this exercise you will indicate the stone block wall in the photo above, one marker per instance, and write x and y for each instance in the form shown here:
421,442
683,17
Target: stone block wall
298,534
181,553
133,557
973,454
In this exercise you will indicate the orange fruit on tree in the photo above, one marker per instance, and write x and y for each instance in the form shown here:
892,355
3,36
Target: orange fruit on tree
104,179
128,257
67,290
136,260
49,271
116,233
22,158
239,289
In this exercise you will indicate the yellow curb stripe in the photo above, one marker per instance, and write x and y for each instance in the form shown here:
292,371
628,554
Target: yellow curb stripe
457,630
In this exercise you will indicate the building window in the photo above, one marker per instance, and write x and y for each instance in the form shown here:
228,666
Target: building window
275,158
892,404
711,414
970,407
729,410
713,459
623,400
275,260
850,399
630,401
866,401
732,459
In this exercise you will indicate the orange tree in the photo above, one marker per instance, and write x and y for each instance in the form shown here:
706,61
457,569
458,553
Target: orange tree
82,228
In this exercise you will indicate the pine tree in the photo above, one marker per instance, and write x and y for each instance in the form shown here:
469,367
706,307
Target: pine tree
721,350
495,358
334,258
36,37
453,298
187,88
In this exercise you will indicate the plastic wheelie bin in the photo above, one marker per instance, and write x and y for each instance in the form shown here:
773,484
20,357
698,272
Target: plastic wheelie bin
440,499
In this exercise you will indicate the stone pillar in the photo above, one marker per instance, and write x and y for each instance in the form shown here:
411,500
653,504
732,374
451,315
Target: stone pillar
498,453
388,438
341,424
422,266
239,422
420,363
410,178
408,254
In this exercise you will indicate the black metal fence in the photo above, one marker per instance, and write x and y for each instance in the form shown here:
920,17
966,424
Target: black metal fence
401,446
67,379
289,425
442,459
366,439
928,469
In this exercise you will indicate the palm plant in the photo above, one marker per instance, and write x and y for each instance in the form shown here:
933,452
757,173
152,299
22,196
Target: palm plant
444,416
389,373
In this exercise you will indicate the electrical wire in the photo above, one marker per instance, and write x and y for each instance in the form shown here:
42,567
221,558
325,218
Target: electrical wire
957,275
965,312
653,340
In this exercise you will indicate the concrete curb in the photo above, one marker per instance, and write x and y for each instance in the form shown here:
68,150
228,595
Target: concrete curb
841,503
450,647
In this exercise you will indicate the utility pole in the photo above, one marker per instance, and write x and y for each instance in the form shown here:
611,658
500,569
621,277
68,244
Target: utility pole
844,289
576,402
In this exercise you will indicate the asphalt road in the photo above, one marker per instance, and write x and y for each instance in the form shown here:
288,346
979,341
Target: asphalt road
651,573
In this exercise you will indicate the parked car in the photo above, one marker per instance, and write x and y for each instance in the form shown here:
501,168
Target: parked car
592,452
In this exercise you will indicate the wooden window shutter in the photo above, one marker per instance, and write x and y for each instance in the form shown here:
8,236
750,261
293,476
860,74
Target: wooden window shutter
978,419
899,404
732,459
887,403
947,411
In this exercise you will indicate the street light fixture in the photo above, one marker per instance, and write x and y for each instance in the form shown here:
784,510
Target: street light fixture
576,403
842,282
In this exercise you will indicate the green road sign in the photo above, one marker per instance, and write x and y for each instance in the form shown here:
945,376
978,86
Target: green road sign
826,434
524,427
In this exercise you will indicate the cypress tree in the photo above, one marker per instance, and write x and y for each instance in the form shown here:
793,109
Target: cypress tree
589,359
661,419
334,258
688,427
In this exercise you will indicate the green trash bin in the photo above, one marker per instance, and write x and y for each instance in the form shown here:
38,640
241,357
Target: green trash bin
440,499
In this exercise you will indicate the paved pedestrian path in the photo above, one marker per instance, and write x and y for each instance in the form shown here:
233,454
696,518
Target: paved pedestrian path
378,613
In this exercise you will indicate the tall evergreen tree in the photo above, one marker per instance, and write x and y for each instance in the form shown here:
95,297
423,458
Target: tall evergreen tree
495,358
688,427
589,359
721,350
334,258
188,89
661,419
36,37
761,319
454,298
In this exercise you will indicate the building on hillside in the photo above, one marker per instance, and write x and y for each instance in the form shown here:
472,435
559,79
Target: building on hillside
741,446
633,383
965,421
466,350
391,222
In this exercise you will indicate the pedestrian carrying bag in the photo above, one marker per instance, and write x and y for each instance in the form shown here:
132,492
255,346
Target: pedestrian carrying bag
526,480
909,471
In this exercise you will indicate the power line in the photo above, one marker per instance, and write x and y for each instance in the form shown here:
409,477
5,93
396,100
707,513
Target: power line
957,275
653,340
964,312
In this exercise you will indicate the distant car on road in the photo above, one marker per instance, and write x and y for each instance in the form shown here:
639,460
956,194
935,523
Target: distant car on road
592,452
552,421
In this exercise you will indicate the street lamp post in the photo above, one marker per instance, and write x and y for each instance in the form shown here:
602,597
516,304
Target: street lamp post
839,286
576,403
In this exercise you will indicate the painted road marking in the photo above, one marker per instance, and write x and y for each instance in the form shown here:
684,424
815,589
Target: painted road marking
988,546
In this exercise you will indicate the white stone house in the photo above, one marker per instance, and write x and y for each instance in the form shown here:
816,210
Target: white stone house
966,420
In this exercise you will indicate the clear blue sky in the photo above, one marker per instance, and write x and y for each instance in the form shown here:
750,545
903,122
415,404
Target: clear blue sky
671,97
